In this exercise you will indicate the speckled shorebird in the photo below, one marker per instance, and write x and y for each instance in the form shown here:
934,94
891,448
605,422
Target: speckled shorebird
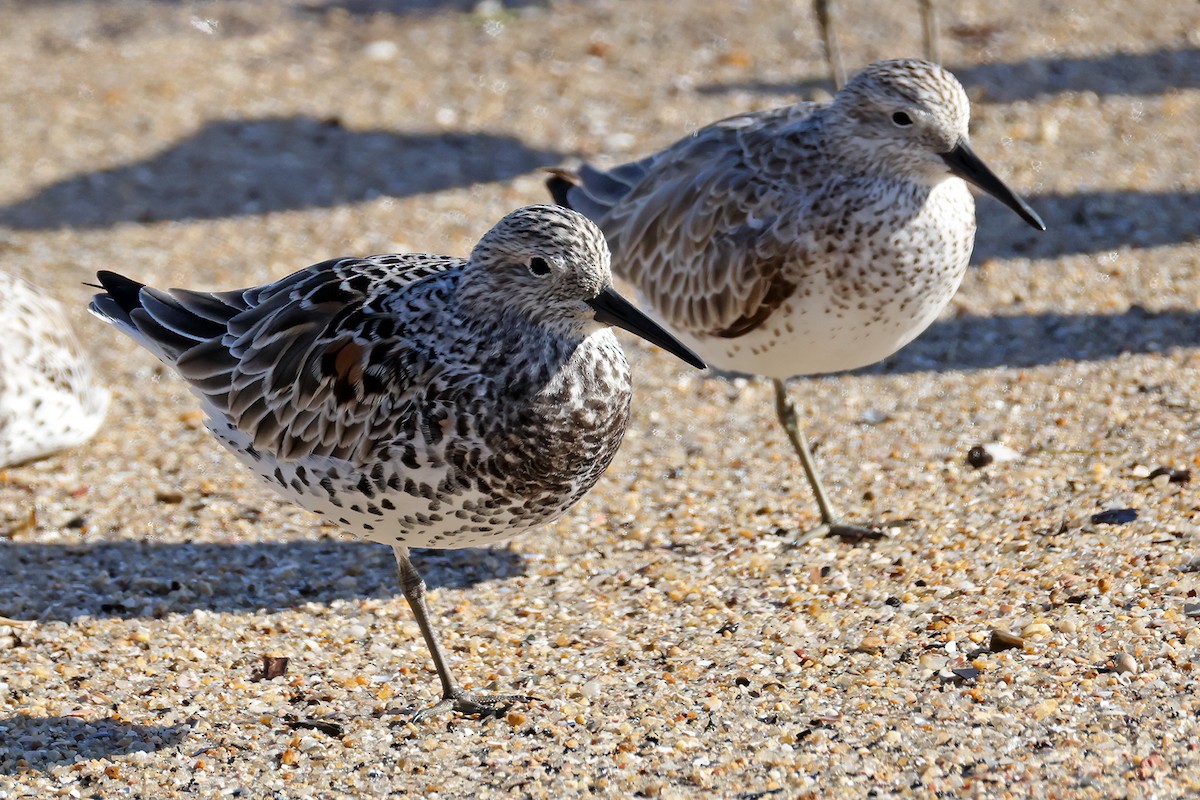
802,240
416,400
49,399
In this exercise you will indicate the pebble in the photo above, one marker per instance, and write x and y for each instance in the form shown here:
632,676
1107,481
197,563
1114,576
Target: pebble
870,644
1035,630
1124,663
1003,640
1115,516
1170,474
381,50
1001,452
978,457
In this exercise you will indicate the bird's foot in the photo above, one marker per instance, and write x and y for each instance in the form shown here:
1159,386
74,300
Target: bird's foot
842,530
464,702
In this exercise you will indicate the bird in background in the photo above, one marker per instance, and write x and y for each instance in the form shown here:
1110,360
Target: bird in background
802,240
833,52
415,400
49,398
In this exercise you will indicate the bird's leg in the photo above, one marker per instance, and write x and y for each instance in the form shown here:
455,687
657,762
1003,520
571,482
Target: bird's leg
933,50
454,697
830,526
833,56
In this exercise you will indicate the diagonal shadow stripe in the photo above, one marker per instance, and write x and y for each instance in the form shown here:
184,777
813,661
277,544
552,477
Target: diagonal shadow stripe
130,579
1030,340
1139,74
1088,222
41,743
232,168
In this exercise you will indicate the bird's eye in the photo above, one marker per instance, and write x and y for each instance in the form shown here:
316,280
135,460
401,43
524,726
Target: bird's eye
902,119
539,266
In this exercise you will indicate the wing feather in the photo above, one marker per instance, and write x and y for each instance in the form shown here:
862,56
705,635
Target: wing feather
305,366
697,227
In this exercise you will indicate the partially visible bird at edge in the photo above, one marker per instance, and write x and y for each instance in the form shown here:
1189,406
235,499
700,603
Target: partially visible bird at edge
802,240
415,400
49,397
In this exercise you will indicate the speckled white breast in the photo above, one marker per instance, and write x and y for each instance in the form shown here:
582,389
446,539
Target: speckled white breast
862,302
580,421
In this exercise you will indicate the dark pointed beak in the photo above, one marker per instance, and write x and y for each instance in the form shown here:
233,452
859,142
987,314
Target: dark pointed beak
965,164
612,309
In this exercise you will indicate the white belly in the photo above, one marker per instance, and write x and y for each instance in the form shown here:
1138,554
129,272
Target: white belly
886,291
810,336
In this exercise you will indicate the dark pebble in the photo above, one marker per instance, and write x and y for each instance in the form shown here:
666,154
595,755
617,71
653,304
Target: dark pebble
1003,640
978,457
327,728
1115,516
1174,475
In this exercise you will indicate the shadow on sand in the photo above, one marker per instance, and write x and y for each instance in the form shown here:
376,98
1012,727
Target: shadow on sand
1030,340
130,579
1139,74
1088,222
239,167
40,743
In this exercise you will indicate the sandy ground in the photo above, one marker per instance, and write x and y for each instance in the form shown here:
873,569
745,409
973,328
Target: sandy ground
677,645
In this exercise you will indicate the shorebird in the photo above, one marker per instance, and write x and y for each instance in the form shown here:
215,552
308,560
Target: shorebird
415,400
49,399
802,240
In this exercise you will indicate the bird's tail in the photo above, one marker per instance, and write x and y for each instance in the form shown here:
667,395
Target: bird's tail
560,183
593,192
166,323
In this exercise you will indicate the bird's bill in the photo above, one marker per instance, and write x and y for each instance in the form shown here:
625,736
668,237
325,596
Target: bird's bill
965,164
612,309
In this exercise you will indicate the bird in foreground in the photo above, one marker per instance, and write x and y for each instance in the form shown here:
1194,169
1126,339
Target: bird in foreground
415,400
49,399
802,240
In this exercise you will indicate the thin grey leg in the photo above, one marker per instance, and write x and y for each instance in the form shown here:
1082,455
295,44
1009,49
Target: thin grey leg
454,697
929,26
833,55
830,526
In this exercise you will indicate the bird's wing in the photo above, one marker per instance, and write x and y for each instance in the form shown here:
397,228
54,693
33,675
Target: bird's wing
696,227
317,364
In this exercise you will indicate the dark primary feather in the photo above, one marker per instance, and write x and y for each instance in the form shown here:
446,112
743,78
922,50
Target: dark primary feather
123,291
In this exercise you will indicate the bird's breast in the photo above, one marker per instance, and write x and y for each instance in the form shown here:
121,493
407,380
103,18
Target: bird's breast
867,283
